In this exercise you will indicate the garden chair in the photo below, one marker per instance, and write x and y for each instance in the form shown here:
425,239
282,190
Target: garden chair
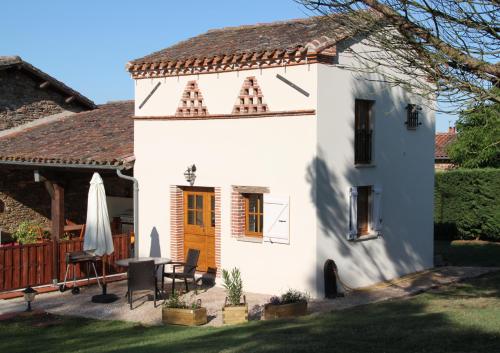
141,275
188,269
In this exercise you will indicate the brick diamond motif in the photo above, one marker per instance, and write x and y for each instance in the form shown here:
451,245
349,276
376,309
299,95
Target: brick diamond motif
251,99
191,103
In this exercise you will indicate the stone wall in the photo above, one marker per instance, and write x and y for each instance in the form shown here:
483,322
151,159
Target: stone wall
22,100
21,199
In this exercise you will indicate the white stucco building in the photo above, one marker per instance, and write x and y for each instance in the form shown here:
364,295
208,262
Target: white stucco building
298,159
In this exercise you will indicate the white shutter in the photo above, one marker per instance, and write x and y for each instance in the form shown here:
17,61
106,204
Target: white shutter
353,213
377,210
276,219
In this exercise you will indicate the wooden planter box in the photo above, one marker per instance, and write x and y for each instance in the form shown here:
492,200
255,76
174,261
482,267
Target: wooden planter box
185,317
272,311
232,315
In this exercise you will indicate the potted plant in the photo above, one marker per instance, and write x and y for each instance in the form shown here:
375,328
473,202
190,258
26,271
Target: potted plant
177,312
234,311
291,304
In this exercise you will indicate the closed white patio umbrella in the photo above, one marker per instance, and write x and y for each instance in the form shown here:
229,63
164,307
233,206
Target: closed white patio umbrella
98,238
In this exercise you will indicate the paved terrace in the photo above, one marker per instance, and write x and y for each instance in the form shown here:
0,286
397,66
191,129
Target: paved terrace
213,298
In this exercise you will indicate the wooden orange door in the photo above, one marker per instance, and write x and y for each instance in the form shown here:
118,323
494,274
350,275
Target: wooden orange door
199,226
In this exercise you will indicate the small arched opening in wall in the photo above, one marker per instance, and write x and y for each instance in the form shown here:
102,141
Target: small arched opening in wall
2,206
330,273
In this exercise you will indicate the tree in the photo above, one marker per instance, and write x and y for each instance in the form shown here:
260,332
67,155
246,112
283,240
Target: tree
450,47
478,140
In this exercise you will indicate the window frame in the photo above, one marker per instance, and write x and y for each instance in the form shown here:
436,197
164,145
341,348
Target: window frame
413,116
259,215
367,131
368,189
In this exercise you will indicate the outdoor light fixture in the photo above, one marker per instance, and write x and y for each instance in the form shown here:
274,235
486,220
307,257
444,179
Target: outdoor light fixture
190,175
29,296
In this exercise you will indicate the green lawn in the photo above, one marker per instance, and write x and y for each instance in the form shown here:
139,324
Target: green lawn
459,318
469,253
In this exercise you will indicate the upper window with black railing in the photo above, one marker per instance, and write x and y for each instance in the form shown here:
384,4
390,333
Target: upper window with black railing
363,131
412,113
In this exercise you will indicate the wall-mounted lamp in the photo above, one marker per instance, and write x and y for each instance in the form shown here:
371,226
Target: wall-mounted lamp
190,175
29,296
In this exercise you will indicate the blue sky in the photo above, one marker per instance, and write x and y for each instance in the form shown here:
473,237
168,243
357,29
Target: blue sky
86,44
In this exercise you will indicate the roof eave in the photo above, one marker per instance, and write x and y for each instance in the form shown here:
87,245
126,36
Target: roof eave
21,64
58,165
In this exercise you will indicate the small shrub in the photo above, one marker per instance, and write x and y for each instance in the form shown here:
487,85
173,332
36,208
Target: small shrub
27,233
233,285
275,300
175,302
289,297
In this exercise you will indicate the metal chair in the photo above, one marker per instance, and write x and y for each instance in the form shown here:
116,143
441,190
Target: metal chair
188,271
141,275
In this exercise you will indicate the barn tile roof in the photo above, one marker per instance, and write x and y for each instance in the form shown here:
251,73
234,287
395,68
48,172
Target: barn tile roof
7,62
442,140
232,45
100,137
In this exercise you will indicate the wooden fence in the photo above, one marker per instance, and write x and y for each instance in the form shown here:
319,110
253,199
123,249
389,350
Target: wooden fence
31,264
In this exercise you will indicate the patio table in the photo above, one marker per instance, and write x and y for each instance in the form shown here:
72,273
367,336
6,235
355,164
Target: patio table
159,261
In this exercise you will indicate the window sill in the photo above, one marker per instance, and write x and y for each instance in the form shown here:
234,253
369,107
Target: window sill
366,237
250,239
368,165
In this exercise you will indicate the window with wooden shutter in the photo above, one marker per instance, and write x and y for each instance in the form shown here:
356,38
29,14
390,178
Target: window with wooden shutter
254,214
364,209
363,131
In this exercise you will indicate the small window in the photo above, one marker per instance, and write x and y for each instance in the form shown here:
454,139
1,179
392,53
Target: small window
195,210
363,131
254,214
412,116
364,209
2,206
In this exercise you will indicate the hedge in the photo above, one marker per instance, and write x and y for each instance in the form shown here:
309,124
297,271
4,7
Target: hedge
467,204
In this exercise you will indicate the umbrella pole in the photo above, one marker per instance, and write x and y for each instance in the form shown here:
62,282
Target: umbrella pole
104,297
104,274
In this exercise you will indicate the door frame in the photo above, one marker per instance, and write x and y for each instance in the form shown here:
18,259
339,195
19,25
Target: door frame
177,223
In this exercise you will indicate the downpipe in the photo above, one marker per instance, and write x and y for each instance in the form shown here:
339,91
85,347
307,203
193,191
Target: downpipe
136,209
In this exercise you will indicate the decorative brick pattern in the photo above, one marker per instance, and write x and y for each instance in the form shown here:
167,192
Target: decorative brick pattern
176,224
237,214
251,99
191,102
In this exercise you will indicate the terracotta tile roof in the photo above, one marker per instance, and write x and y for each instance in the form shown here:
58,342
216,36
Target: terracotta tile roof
442,140
7,62
103,136
231,45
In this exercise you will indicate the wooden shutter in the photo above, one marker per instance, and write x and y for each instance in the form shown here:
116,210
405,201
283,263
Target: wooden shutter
353,213
276,219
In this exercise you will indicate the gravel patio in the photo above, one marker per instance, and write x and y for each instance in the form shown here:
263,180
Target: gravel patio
213,298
